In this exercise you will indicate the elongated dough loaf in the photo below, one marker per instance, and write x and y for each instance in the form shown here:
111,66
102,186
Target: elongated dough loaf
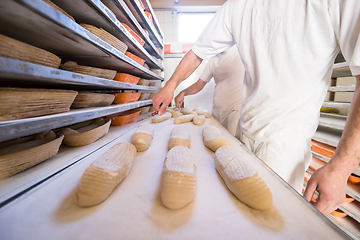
104,174
179,136
184,119
199,120
176,114
187,111
213,138
159,119
142,137
202,112
242,180
178,181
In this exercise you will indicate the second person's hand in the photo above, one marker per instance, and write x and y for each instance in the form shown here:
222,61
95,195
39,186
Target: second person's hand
179,99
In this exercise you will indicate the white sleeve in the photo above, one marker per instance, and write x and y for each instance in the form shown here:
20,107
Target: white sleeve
348,33
207,74
217,36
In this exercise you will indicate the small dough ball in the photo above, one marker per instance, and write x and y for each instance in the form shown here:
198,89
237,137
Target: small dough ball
142,137
199,120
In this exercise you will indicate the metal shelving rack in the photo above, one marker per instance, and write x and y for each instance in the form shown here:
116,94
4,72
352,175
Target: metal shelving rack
39,24
329,132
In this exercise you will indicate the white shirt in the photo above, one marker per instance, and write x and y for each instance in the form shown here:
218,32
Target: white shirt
228,72
288,49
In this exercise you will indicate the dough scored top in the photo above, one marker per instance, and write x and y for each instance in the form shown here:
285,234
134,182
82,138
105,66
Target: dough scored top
146,128
228,160
210,133
180,132
111,161
180,159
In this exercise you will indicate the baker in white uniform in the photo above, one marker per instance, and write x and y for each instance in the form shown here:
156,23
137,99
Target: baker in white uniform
288,49
228,72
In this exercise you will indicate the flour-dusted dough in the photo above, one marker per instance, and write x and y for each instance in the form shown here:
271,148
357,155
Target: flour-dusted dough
184,119
179,136
242,180
104,174
199,120
178,182
187,111
202,112
142,137
213,138
176,114
159,119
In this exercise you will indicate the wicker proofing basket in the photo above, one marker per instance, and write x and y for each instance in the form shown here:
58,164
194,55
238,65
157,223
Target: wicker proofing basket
14,163
91,71
17,103
11,48
89,136
84,99
106,37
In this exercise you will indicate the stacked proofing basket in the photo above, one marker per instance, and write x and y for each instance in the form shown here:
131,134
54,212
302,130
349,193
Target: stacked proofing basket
107,37
11,48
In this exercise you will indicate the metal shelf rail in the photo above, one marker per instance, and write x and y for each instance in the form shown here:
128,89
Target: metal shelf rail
94,12
37,23
24,73
123,13
140,16
23,127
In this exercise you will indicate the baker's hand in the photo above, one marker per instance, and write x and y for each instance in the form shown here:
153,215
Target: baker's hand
162,99
179,99
330,182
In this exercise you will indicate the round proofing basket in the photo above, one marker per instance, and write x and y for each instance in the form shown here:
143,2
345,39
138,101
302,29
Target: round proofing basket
91,71
106,37
11,48
88,137
83,100
14,163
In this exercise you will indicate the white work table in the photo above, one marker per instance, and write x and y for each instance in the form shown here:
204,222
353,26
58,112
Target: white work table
134,210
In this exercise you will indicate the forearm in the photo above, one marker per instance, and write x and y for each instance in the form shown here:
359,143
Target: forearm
195,88
347,154
187,66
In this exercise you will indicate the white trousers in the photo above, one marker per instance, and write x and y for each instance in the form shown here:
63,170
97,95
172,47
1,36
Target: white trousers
229,119
288,158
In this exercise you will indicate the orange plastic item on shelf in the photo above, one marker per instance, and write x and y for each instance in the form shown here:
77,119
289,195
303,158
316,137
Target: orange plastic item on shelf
316,163
148,15
124,117
338,213
135,58
348,199
354,179
139,39
128,97
141,4
322,148
126,78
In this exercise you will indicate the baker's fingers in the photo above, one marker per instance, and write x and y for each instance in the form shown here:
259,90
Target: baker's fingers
310,190
162,108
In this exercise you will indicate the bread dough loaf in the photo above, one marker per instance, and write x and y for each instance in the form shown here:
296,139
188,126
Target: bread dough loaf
242,180
202,112
142,137
199,120
176,114
178,181
187,111
179,136
159,119
184,119
213,138
104,174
